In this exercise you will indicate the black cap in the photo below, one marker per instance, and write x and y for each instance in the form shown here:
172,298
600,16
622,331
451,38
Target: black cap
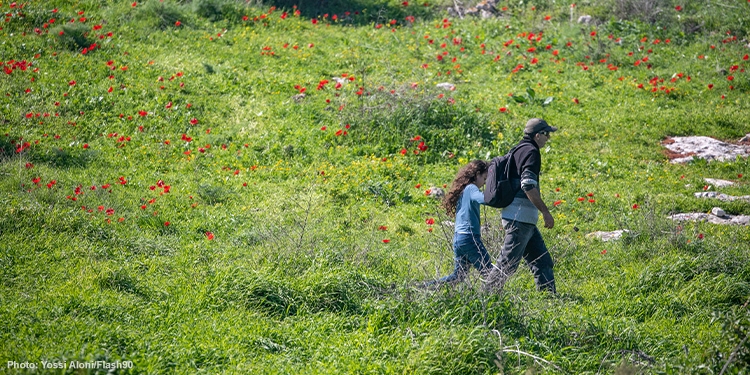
537,125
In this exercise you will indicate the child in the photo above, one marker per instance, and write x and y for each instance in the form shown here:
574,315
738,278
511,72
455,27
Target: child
463,201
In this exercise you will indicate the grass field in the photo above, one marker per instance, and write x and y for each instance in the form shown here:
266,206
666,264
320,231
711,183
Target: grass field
169,197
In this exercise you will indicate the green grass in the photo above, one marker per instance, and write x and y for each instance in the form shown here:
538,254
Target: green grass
297,277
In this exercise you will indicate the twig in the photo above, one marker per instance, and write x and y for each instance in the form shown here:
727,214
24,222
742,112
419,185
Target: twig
458,8
506,350
734,354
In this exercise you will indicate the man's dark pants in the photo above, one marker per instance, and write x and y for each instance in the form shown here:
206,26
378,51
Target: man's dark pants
523,240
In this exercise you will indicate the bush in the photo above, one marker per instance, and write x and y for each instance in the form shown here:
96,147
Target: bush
72,36
217,10
161,15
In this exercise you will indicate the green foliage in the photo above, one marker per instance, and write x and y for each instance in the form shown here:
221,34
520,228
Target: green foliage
217,10
162,15
295,229
72,36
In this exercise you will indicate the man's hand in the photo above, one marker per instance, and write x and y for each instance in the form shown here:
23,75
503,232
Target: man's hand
549,221
536,198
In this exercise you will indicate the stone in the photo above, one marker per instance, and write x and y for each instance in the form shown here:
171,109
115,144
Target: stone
713,219
608,236
721,196
717,211
436,193
718,183
584,19
685,149
446,86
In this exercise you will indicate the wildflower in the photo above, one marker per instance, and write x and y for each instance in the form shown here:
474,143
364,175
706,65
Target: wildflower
700,236
430,221
557,203
636,206
678,8
383,228
209,236
386,240
166,223
194,121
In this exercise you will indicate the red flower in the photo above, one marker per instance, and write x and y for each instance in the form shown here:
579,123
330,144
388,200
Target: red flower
72,83
581,199
700,236
503,109
710,86
386,240
557,203
209,236
177,23
636,206
166,223
430,221
382,227
590,194
731,78
417,186
403,151
592,201
603,252
575,100
678,8
143,113
194,121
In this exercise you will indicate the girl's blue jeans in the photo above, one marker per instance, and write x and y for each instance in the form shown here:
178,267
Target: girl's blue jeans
469,251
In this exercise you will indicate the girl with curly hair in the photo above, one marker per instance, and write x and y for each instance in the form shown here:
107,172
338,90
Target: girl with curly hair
462,201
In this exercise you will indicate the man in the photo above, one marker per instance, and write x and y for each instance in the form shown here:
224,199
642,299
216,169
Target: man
522,237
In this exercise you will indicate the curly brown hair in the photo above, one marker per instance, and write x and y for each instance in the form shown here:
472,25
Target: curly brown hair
465,176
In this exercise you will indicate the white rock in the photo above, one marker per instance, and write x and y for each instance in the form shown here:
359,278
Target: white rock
718,183
713,219
717,211
436,192
446,86
721,196
608,236
585,19
704,148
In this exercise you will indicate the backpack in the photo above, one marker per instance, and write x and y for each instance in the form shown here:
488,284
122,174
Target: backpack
499,191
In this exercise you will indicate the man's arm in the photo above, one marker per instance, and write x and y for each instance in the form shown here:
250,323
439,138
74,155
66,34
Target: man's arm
536,198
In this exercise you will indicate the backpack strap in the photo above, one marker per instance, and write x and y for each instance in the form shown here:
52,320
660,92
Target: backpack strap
510,160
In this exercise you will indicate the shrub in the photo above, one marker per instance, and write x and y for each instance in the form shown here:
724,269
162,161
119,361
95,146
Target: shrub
72,36
216,10
161,15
